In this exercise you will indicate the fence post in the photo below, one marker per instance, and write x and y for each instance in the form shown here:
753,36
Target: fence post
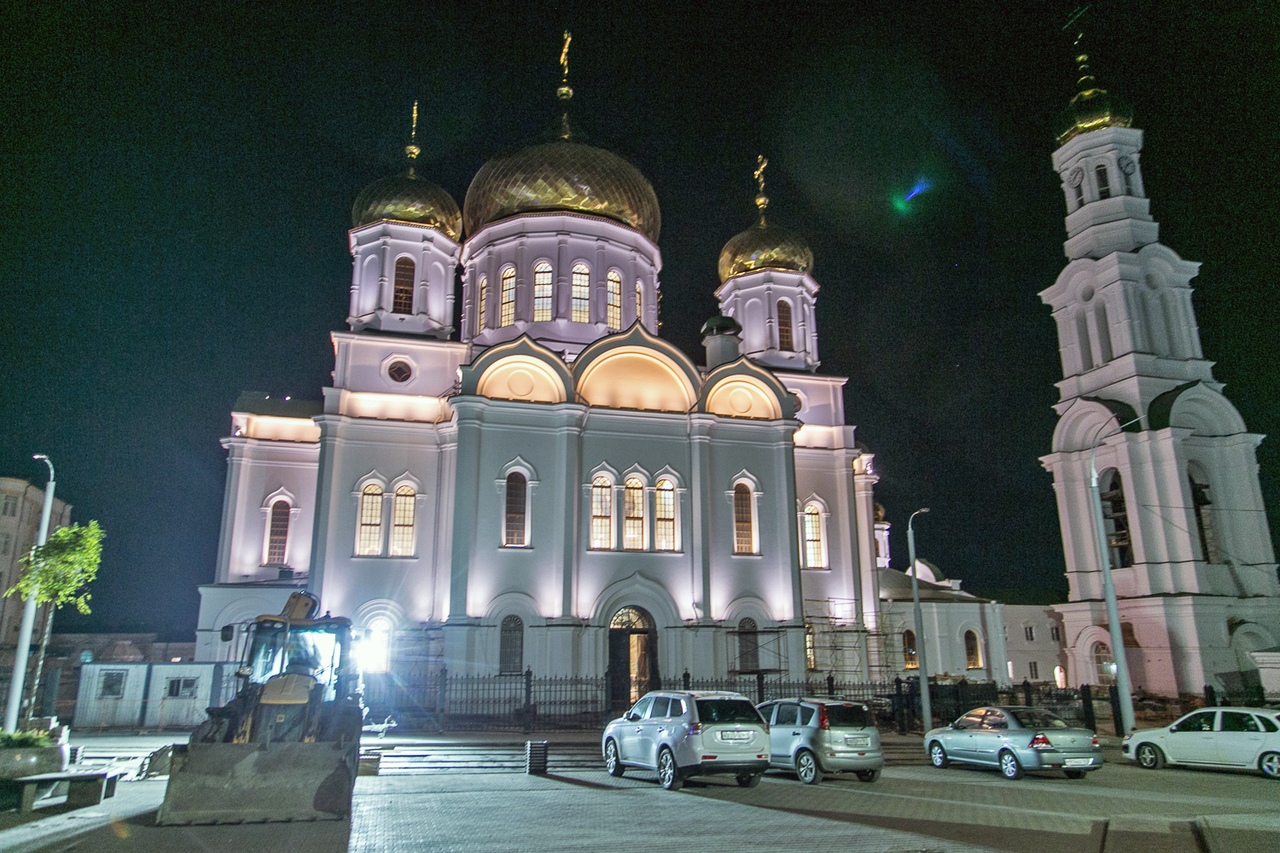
1114,695
1086,707
899,707
442,708
528,699
759,686
831,685
1026,691
686,679
1210,696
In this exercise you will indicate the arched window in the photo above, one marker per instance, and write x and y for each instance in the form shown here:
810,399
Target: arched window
511,646
601,513
748,646
402,522
633,515
514,531
481,303
581,294
639,301
664,516
369,537
1200,503
1115,517
402,296
786,340
972,650
542,293
910,658
1104,185
815,549
375,646
508,306
1082,335
614,306
744,528
278,534
1078,192
810,649
1104,664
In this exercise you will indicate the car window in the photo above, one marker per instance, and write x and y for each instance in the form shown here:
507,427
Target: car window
788,715
1235,721
1268,725
1201,721
677,708
995,720
806,714
726,711
661,704
971,720
848,717
641,708
1038,718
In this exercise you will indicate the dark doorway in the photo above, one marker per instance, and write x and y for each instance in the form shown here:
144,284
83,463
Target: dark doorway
633,656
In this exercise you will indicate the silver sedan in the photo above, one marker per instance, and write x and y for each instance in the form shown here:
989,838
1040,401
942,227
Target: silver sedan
1015,739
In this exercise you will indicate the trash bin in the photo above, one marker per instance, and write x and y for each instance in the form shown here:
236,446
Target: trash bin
535,757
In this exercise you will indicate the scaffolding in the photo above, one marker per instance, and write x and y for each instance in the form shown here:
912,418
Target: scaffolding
839,644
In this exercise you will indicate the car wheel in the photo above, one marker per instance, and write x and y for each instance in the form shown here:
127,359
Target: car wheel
938,755
1074,774
868,775
1269,764
668,772
1149,756
749,780
1009,766
807,768
611,760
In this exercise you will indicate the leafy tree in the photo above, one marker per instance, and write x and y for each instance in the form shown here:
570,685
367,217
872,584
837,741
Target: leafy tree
58,573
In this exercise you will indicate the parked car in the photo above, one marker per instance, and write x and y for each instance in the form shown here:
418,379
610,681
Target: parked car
679,734
1015,739
812,737
1244,738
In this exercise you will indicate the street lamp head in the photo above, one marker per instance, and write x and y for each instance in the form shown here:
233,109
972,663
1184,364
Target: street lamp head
923,509
40,456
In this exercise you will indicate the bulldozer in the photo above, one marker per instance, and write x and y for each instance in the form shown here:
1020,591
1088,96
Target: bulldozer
287,746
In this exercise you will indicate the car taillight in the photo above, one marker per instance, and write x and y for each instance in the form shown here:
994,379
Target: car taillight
1095,739
823,721
695,728
1040,741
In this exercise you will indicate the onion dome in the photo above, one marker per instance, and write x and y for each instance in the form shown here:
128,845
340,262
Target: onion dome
720,325
1092,108
408,198
764,246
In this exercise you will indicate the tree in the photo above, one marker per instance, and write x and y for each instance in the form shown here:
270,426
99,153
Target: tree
58,573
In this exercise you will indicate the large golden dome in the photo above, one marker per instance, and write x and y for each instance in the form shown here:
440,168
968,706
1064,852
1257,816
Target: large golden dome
407,198
558,176
764,247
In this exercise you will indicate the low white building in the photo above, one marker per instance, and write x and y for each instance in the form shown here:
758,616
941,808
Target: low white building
1034,644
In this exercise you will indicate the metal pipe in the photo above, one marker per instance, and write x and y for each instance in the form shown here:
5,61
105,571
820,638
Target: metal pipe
922,667
18,682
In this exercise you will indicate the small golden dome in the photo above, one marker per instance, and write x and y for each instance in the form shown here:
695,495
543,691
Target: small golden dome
764,247
562,175
407,198
1093,109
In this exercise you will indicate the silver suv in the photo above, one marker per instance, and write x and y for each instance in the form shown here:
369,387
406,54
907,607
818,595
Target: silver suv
680,734
811,737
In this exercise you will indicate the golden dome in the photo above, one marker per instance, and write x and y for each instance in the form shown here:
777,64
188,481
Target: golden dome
764,247
558,176
1093,109
407,198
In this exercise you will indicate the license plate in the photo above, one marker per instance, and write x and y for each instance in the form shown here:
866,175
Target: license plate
857,741
735,736
1078,762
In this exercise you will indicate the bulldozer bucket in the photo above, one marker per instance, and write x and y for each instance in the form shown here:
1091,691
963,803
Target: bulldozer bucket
253,783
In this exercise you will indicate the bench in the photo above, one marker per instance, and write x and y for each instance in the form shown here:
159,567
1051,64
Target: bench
84,788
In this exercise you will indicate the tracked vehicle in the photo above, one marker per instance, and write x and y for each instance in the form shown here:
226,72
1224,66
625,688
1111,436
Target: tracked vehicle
287,747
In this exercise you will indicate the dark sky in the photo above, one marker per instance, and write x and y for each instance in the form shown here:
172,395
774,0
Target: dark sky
177,180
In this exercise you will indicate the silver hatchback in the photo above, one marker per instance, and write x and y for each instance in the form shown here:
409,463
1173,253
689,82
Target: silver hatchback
812,737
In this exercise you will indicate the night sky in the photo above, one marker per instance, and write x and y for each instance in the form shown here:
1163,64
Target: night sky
177,181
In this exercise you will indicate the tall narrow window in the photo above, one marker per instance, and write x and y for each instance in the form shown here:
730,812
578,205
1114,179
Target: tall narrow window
815,551
369,538
1078,190
910,657
508,314
1104,664
633,515
514,530
664,516
1104,185
375,648
402,522
601,513
810,648
613,289
744,534
639,302
1116,518
1201,504
511,646
278,537
786,340
748,646
542,293
972,650
402,296
581,294
482,303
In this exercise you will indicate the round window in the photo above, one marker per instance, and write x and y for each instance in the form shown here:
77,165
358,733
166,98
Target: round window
399,371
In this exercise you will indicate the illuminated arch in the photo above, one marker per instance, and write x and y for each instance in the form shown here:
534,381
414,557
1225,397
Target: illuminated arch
635,370
740,389
520,370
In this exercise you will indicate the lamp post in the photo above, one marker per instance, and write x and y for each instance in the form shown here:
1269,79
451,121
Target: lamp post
23,651
926,708
1118,656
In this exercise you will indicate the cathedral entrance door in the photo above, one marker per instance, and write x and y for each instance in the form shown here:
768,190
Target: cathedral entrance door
633,656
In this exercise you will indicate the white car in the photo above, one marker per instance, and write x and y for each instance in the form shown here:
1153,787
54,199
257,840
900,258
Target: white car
680,734
1241,738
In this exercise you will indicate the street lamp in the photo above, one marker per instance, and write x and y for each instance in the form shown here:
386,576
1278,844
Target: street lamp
926,708
23,651
1118,656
